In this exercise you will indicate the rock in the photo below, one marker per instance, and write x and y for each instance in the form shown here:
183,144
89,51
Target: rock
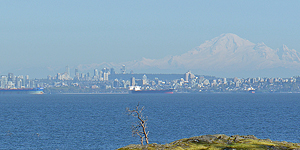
268,140
238,138
249,137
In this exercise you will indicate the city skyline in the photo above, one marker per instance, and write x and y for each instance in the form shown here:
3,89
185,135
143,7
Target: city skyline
41,37
106,81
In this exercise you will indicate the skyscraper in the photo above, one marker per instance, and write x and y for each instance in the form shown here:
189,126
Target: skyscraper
10,77
100,74
58,76
116,83
112,71
76,72
188,76
145,80
96,73
68,70
105,76
123,69
3,81
133,81
27,81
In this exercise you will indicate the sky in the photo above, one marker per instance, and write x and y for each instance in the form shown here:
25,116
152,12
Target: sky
39,38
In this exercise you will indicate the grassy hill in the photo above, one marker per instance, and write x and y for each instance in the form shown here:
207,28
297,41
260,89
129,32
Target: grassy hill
219,142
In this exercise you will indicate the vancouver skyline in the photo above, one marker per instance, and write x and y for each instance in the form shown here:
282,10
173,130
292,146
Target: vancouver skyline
39,38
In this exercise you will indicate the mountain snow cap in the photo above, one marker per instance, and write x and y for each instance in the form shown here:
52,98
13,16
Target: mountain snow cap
234,39
284,47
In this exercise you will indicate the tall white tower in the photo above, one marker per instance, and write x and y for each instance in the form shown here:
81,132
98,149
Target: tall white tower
68,70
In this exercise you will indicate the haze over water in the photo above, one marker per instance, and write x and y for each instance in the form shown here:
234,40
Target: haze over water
94,121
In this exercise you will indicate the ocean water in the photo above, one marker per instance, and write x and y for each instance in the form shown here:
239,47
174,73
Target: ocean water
94,121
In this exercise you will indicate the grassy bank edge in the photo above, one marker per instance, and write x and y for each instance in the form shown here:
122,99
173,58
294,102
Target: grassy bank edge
219,142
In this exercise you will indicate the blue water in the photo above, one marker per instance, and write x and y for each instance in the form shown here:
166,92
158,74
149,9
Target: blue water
100,121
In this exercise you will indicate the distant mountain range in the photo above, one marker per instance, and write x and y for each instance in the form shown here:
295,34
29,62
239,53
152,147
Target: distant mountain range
226,55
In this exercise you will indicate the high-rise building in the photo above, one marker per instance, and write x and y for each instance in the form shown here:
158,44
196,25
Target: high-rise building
156,81
105,70
123,69
49,77
10,84
19,81
32,84
68,70
10,77
76,72
214,83
27,81
133,81
58,76
82,76
145,80
116,83
3,81
105,76
23,82
188,76
112,71
88,76
100,74
224,81
237,83
96,73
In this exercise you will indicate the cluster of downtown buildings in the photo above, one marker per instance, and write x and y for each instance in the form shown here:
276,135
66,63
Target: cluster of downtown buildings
10,81
107,80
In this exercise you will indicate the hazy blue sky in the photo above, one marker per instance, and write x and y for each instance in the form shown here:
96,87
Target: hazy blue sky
50,34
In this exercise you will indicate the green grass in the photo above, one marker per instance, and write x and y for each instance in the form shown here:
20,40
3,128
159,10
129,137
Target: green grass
218,142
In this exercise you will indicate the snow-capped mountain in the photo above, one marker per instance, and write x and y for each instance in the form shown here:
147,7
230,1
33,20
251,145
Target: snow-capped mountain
287,55
227,54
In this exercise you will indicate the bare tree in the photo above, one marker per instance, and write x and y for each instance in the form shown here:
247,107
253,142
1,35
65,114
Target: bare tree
140,127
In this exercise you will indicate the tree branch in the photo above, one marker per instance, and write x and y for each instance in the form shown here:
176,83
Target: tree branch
140,127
